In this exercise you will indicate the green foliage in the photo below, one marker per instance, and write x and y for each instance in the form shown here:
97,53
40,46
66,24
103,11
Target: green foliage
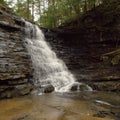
115,60
60,11
114,56
21,10
3,3
52,13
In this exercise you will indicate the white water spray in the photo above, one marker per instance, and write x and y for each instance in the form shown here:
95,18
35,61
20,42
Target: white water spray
48,69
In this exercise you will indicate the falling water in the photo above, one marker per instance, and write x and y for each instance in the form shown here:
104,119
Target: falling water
48,69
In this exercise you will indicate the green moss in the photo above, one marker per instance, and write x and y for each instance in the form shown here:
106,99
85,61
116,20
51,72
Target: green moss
115,60
114,56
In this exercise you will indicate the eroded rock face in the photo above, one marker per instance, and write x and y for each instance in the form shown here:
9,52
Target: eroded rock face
82,45
83,58
15,62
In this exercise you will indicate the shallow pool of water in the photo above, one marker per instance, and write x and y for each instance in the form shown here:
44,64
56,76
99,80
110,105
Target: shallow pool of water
67,106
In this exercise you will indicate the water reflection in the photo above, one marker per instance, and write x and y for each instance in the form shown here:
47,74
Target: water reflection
58,106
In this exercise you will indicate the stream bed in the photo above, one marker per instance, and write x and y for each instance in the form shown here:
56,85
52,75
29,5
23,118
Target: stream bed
59,106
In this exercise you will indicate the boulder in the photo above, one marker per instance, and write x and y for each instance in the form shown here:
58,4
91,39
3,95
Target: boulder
48,88
74,88
24,89
80,87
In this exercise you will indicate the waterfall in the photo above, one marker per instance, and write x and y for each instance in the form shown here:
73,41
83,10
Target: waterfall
48,69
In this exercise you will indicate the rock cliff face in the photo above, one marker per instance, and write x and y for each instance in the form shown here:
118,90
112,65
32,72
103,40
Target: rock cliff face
15,63
83,58
82,42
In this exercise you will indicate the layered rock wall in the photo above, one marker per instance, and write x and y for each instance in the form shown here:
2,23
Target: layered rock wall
15,63
83,58
82,44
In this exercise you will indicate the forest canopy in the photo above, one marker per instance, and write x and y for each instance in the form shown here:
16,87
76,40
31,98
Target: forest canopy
51,13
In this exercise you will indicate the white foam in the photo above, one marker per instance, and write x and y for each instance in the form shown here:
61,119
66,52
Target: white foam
47,67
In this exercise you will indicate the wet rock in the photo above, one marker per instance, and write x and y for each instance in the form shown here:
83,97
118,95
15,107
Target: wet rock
24,89
74,88
15,62
101,114
80,87
7,91
106,86
48,88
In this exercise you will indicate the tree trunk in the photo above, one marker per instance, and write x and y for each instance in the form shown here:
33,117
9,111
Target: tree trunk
33,7
28,4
